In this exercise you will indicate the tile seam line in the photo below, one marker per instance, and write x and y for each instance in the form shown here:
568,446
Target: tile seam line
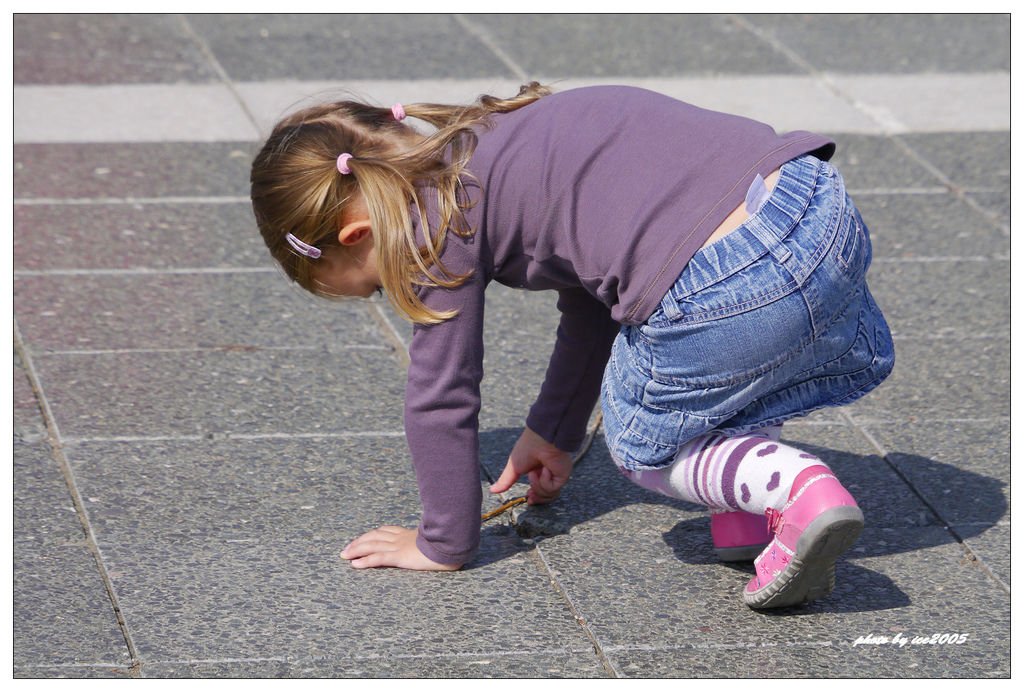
57,449
946,524
598,648
225,79
484,36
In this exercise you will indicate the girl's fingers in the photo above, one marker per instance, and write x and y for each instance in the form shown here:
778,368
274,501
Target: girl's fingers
375,560
506,480
365,548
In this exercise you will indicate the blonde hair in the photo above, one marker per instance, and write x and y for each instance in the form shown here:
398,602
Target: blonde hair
296,187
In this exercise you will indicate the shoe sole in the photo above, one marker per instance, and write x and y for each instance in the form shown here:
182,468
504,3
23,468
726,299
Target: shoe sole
812,572
740,553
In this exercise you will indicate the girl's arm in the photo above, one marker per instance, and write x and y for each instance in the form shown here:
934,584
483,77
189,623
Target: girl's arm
572,383
442,405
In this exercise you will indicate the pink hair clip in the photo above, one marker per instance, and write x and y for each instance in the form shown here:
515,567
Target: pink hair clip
343,164
303,248
398,111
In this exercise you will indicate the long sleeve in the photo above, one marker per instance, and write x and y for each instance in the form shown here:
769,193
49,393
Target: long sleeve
572,383
442,406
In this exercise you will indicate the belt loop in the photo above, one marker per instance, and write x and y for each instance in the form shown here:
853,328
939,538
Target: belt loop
772,243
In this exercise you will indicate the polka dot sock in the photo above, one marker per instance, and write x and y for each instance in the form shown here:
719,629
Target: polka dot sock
744,472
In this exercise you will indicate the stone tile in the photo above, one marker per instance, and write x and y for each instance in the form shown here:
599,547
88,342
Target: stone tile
909,226
223,392
871,162
881,43
62,614
345,47
61,611
939,379
516,664
44,513
970,160
961,468
244,312
917,301
630,45
71,671
835,658
996,206
106,49
242,563
28,417
131,236
640,571
920,102
109,170
519,333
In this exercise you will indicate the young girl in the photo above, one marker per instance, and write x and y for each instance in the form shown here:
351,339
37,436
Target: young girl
710,278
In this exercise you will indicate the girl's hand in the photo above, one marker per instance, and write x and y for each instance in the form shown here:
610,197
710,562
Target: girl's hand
390,546
547,467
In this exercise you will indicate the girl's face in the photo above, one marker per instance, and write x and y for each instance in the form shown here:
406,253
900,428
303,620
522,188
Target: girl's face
348,271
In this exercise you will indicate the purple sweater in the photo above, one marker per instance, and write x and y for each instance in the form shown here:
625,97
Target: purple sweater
602,194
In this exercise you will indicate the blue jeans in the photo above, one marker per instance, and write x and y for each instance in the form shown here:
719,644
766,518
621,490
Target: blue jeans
773,321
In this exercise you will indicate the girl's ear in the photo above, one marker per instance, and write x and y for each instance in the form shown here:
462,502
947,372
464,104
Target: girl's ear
355,232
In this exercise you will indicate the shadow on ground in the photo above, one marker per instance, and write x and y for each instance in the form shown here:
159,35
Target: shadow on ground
898,518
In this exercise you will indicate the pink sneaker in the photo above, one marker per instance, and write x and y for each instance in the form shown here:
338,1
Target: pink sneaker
739,536
819,522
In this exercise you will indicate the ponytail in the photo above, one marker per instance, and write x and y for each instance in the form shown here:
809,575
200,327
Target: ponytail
297,189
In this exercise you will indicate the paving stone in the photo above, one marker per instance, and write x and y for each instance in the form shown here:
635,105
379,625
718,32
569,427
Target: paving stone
28,418
519,333
994,205
226,391
516,664
71,671
109,170
909,226
961,468
44,513
129,236
939,379
835,658
62,614
972,160
345,47
916,299
61,611
229,550
240,312
630,45
873,162
106,49
880,43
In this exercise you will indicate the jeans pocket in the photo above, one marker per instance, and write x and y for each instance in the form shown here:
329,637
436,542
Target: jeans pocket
729,350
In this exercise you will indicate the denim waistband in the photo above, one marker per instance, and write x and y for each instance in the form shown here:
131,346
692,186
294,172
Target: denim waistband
763,231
